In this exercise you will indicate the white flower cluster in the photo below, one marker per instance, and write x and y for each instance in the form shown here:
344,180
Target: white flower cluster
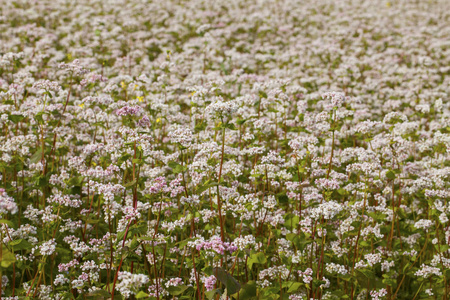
7,203
301,142
297,297
270,202
47,85
394,116
296,258
327,210
244,241
444,209
221,107
373,259
327,184
64,200
377,295
337,249
47,248
427,271
336,268
74,67
60,280
386,265
129,284
8,58
423,224
306,275
337,98
181,135
274,272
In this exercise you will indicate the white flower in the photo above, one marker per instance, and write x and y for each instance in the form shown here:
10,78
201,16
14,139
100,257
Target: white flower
426,271
422,223
48,247
129,284
335,268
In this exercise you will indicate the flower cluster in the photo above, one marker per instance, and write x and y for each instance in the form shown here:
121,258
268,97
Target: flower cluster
129,284
215,244
191,149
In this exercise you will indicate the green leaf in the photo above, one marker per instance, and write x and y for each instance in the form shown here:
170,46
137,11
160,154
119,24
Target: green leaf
368,273
232,285
141,295
37,156
390,174
48,94
300,240
345,277
364,243
173,164
203,188
270,293
247,292
406,267
177,290
294,287
64,252
120,236
7,258
282,198
230,126
443,248
99,294
378,216
125,251
211,294
65,296
16,118
38,117
181,244
389,281
240,121
7,222
128,184
92,221
181,147
447,273
200,126
256,258
342,192
75,181
176,167
366,278
139,228
124,158
20,245
211,162
291,222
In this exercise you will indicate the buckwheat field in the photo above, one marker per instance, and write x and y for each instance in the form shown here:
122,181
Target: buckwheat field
235,149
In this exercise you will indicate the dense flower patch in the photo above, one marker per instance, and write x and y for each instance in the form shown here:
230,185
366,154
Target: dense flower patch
273,149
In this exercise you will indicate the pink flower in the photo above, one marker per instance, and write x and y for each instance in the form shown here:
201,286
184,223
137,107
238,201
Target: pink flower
210,282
